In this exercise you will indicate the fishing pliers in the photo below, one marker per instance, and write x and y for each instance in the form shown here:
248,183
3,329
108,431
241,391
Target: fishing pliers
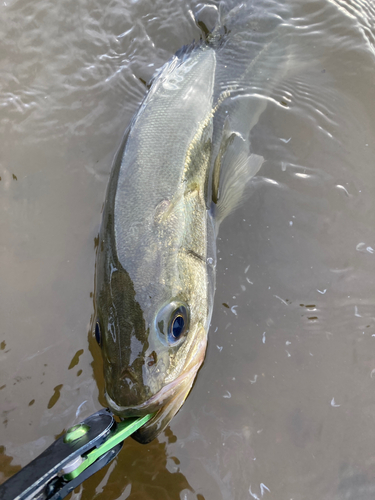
83,450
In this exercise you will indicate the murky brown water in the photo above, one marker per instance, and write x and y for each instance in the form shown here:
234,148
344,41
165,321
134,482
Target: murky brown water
284,406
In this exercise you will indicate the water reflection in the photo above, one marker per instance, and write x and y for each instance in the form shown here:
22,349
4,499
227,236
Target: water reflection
7,469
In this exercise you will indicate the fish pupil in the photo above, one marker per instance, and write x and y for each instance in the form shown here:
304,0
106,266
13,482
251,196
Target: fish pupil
178,327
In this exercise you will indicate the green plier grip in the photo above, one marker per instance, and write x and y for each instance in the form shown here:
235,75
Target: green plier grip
123,430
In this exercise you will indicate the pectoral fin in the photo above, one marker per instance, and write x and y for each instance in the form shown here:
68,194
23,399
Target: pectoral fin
227,138
233,171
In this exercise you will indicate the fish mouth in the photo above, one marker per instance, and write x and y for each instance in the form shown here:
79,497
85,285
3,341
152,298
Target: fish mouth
158,400
166,402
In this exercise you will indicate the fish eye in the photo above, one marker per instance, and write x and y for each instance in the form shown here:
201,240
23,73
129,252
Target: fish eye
98,333
173,323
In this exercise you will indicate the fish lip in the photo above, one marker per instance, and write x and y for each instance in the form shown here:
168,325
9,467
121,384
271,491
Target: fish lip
165,394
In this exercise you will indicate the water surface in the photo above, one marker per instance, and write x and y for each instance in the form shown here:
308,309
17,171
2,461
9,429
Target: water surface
283,406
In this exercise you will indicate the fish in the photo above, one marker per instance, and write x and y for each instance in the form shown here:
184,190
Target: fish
185,164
